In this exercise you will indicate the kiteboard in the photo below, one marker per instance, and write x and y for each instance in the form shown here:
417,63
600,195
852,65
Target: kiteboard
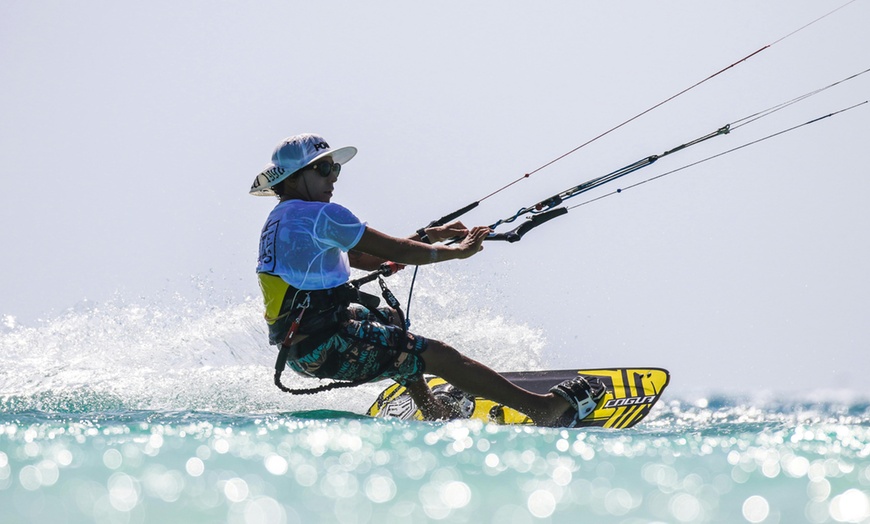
631,394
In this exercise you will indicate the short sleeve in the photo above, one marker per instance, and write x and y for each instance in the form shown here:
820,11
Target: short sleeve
338,227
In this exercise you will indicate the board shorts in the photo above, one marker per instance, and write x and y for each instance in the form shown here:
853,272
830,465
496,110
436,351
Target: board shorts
362,346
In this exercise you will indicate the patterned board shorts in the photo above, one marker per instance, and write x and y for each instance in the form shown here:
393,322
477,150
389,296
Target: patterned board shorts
362,346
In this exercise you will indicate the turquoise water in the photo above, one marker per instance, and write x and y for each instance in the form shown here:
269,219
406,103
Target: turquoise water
126,413
727,462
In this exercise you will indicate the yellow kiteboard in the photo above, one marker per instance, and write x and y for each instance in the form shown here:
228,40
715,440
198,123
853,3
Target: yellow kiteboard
631,394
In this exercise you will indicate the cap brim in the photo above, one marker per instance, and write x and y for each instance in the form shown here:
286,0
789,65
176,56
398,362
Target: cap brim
268,177
341,155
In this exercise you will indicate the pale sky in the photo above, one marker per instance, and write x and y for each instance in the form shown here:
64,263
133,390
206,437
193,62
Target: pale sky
130,134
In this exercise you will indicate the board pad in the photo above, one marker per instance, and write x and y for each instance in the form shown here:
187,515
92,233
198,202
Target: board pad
631,394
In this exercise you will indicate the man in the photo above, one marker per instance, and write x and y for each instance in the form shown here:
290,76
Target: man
307,248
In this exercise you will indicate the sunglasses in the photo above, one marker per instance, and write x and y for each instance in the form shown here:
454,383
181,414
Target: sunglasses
326,169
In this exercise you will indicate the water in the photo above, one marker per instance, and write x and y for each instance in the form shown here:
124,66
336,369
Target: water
162,410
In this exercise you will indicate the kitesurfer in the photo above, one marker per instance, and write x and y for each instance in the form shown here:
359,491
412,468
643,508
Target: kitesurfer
331,330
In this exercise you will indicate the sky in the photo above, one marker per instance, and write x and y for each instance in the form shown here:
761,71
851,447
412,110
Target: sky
131,132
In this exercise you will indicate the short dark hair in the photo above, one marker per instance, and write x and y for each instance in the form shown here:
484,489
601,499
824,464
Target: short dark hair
280,188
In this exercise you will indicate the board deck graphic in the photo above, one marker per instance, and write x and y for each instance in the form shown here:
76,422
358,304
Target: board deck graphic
631,394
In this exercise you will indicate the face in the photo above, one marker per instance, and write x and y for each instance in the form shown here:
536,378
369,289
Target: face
319,180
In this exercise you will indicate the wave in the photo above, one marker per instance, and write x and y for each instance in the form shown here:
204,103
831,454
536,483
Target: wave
208,352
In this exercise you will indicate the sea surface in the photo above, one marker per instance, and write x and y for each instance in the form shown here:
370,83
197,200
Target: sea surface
134,412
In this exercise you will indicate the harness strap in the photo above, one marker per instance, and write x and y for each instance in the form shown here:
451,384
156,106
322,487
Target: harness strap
393,303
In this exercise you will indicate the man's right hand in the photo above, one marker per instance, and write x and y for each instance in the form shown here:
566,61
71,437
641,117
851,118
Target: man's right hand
473,242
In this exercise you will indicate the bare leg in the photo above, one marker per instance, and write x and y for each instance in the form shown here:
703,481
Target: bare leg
432,408
477,379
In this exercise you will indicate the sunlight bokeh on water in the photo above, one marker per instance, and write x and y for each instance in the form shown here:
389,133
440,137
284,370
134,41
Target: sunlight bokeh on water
164,411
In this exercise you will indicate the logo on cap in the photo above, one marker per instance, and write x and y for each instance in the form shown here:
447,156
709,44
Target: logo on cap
273,173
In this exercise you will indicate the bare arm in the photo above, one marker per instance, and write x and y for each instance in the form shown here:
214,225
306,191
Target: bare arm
364,261
375,245
367,262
